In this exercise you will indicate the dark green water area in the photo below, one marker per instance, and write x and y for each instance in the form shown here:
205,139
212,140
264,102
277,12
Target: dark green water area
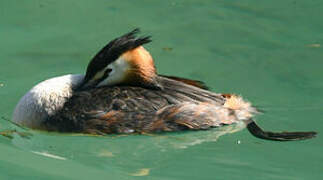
270,52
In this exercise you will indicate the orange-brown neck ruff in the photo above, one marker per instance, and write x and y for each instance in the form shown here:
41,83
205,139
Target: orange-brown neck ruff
142,70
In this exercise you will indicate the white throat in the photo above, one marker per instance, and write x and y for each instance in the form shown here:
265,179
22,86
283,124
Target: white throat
44,100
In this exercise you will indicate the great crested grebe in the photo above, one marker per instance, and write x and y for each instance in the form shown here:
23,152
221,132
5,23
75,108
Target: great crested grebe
122,93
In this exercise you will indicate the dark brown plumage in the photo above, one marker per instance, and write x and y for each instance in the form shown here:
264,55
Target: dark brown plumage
124,109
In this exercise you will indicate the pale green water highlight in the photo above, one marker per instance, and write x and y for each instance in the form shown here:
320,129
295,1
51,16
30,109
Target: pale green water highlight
268,51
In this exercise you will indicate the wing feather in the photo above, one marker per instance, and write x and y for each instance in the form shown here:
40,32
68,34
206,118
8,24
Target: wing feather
126,109
183,116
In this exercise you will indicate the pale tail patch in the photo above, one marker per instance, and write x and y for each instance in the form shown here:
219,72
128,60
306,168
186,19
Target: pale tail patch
243,109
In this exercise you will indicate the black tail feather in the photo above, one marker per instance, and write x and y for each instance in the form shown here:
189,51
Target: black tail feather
255,130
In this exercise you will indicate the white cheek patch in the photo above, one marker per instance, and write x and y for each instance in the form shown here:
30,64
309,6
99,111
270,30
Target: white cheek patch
118,73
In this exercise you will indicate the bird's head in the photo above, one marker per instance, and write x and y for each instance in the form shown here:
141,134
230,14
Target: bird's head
123,61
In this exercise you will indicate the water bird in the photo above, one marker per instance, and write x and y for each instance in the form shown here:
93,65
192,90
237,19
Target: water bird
122,93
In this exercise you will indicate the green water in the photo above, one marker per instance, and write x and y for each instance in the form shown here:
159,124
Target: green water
268,51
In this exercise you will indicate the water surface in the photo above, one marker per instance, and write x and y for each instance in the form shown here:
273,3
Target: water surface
270,52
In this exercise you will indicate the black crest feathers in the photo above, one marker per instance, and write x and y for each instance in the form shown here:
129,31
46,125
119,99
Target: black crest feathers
113,50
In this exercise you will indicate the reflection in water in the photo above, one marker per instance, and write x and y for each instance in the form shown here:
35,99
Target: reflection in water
110,145
46,154
128,152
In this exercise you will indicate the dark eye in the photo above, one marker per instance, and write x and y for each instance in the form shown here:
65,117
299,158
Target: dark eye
107,71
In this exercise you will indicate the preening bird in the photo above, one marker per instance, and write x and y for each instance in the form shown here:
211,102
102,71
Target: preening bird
122,92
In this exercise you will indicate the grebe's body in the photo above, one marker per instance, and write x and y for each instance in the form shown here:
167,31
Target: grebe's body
128,109
122,93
